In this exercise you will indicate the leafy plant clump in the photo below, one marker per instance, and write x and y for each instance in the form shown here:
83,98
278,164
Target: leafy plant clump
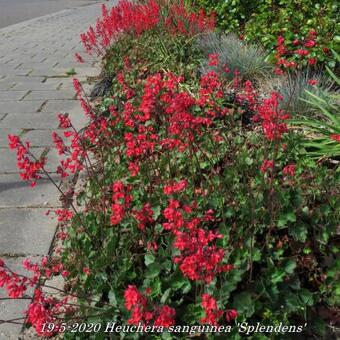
297,85
263,21
323,129
189,215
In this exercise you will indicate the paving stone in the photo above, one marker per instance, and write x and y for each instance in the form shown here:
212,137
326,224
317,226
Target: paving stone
17,227
60,105
35,120
15,192
15,71
14,309
53,160
22,107
87,71
5,85
8,161
44,95
39,137
11,309
78,118
22,79
46,71
11,95
4,132
34,86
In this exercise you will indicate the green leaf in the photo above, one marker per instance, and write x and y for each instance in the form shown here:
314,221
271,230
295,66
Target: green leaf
153,270
299,232
244,304
156,212
306,297
156,287
277,276
292,302
165,296
286,217
148,259
249,161
290,266
112,298
178,281
193,313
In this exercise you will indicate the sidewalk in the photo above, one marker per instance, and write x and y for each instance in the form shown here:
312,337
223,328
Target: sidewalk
34,58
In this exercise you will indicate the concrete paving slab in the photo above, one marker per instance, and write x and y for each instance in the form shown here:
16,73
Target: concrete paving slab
4,132
15,192
14,309
8,161
17,227
53,160
60,105
22,79
34,86
48,95
41,138
9,158
12,95
40,120
77,117
24,107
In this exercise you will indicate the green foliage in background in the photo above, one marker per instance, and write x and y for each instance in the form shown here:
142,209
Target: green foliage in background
264,20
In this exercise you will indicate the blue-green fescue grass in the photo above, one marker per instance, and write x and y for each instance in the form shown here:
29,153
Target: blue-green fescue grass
247,59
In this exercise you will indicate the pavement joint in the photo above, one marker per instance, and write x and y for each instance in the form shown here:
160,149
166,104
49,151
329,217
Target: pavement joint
42,106
25,95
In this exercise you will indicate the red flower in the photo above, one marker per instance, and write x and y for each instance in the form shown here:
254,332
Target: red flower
31,168
117,213
86,271
312,61
136,18
133,169
230,314
266,165
213,59
131,296
144,216
310,43
289,170
272,117
79,58
302,52
212,313
165,317
64,121
208,302
64,215
312,82
335,137
280,40
176,187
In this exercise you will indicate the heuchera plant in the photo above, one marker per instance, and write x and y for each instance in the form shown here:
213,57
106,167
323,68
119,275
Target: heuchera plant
188,215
